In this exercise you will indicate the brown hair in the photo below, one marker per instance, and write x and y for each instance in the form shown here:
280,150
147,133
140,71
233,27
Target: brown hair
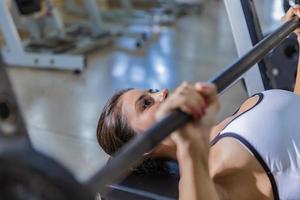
113,130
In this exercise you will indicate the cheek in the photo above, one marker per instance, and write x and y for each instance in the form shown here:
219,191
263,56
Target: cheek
150,116
147,119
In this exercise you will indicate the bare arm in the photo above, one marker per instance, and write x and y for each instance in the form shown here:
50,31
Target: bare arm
297,84
292,12
195,182
192,141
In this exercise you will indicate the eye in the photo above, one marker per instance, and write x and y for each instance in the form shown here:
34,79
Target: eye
153,91
147,102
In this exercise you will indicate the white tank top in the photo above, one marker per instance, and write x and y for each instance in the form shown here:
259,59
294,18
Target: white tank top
271,132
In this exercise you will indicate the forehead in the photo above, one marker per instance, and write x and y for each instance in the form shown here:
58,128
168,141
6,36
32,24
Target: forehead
129,98
130,95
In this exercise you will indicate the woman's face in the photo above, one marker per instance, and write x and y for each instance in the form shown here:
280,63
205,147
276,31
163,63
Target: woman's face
140,106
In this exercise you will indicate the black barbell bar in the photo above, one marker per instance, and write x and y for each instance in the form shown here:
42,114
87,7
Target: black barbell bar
130,154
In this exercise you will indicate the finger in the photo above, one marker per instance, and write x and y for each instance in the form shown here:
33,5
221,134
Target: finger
187,90
187,101
195,99
170,106
288,15
297,11
182,87
208,90
191,103
291,13
197,104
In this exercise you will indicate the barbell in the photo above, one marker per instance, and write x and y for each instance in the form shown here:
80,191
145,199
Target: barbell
28,174
130,154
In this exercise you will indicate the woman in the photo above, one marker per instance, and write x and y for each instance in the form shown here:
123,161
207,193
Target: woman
247,156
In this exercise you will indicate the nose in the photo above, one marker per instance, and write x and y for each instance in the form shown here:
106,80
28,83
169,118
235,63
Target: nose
163,94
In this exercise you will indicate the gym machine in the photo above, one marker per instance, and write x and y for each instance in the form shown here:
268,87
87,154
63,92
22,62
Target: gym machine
284,59
26,173
241,20
278,69
87,36
15,53
166,15
94,28
129,36
43,23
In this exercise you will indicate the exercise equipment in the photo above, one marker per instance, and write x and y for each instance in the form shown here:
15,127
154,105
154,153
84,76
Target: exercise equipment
135,149
15,52
277,70
88,35
51,43
128,14
283,64
128,37
28,7
283,60
94,27
137,187
24,171
246,33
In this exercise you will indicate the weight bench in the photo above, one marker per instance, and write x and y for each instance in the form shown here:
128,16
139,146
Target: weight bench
138,186
142,187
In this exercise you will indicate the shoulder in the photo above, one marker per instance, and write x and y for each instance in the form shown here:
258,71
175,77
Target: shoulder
228,156
235,170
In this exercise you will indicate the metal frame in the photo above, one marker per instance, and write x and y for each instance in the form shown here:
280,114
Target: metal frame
131,16
57,19
253,79
14,54
95,19
126,37
256,35
152,18
36,25
95,22
85,43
